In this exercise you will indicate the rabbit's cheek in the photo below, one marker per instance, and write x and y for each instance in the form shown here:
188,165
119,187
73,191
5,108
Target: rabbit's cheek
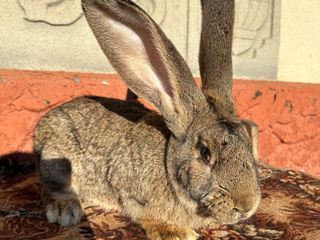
183,176
200,180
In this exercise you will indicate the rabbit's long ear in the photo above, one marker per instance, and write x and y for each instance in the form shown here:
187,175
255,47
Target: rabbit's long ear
145,59
215,57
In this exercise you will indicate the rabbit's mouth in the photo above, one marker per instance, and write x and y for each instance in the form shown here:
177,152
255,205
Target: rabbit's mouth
223,212
220,211
221,216
221,208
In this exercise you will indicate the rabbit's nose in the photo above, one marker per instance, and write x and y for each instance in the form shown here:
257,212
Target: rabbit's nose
247,205
239,211
242,214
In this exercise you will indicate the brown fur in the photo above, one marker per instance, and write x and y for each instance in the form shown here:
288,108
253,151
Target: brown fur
150,167
215,55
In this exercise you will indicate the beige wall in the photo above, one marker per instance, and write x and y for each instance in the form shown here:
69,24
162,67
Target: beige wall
53,35
299,53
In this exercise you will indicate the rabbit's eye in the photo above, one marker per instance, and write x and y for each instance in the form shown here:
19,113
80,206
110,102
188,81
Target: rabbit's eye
206,155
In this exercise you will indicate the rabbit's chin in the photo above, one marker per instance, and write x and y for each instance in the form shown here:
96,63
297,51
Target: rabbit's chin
222,216
229,218
233,217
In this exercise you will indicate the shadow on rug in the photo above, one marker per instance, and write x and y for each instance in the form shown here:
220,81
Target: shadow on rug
290,209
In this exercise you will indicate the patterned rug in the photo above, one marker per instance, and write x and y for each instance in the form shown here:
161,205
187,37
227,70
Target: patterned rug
290,209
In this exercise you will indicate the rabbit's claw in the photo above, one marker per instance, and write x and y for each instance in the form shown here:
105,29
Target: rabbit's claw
65,212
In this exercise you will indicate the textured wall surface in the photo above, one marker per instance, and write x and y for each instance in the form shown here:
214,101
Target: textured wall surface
53,35
288,114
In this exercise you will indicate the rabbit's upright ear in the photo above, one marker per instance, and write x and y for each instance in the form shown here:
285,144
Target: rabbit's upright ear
145,59
215,57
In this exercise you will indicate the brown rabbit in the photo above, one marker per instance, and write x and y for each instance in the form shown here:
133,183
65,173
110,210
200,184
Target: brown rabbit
187,168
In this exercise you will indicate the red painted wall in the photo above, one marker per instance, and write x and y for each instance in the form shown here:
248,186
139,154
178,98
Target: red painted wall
288,114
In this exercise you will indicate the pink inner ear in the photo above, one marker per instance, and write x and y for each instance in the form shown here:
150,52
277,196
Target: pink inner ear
139,52
158,65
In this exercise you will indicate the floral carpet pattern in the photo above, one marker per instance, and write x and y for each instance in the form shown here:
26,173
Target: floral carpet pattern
290,209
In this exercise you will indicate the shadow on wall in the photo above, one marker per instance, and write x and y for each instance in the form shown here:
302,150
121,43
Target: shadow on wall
288,114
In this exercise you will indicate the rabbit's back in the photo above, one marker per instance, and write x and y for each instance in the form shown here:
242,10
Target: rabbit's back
104,142
81,120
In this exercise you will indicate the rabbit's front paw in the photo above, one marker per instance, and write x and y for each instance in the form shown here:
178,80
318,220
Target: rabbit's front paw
66,211
158,231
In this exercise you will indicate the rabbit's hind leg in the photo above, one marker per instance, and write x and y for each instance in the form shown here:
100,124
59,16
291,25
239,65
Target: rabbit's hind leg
62,203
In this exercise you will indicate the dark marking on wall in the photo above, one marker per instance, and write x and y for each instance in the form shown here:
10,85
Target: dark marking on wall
274,97
314,100
257,94
288,104
46,101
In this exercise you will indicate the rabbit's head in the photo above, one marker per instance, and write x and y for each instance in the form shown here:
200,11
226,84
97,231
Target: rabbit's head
212,164
209,159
